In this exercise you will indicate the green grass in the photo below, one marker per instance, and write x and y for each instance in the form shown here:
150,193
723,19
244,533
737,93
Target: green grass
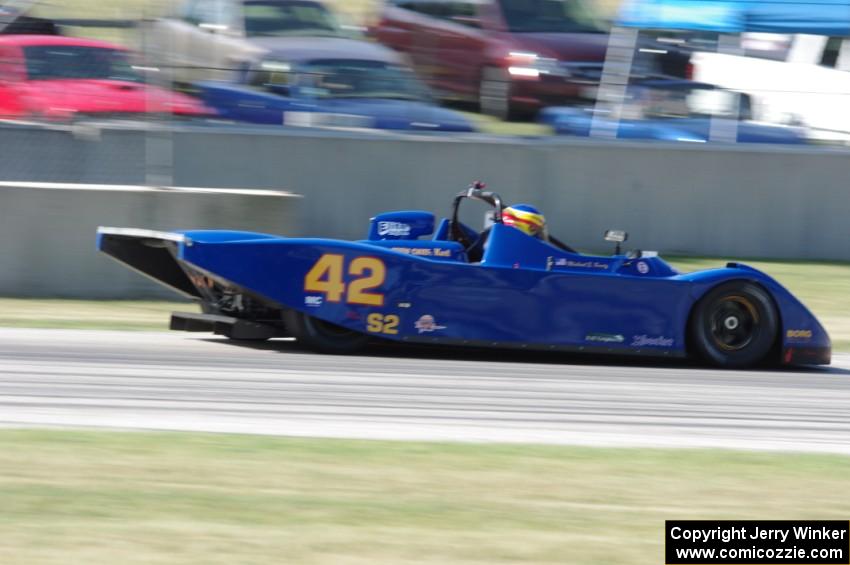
89,314
494,126
82,497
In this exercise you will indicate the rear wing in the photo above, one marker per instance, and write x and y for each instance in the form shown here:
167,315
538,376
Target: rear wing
151,253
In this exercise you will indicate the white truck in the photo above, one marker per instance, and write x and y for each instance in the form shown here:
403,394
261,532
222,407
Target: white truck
801,80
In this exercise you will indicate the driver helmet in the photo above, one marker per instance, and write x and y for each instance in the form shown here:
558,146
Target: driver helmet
525,218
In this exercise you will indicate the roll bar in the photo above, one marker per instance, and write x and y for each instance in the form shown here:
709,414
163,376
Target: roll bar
474,192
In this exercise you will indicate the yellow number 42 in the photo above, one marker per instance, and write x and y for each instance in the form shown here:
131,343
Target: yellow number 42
326,277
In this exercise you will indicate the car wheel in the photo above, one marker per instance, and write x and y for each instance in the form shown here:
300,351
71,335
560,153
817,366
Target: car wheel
735,325
494,94
323,336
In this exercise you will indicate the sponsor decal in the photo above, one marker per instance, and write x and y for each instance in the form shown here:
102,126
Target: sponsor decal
605,338
313,301
393,229
642,268
652,341
581,264
427,252
799,334
427,324
404,304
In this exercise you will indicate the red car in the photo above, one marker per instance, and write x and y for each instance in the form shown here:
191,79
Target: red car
63,78
511,56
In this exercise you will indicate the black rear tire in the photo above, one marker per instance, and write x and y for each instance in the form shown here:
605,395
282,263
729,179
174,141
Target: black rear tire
735,325
324,337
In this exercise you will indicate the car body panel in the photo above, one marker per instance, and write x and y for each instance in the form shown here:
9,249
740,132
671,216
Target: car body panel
209,41
298,104
247,104
674,110
302,49
66,98
576,47
525,293
452,54
577,122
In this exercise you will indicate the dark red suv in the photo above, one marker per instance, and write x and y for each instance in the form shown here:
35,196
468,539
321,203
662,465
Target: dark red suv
511,56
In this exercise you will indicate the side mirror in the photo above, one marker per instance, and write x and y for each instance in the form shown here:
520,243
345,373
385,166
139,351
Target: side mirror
616,236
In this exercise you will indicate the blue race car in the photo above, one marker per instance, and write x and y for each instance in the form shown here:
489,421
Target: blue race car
498,288
674,110
331,82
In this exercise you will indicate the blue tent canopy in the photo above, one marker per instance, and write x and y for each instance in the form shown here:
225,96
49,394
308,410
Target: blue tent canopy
820,17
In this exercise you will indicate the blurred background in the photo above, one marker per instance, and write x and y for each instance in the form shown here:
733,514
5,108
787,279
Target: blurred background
516,67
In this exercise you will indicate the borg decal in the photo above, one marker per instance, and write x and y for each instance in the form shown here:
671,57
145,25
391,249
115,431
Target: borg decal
799,334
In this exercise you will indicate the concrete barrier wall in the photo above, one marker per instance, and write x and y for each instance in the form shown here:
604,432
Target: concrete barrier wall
47,232
73,155
741,201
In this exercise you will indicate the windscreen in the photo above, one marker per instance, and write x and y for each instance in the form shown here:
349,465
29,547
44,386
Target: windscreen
549,16
270,18
361,79
49,62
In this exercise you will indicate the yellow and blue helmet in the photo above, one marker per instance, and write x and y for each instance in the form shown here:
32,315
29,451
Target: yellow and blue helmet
525,218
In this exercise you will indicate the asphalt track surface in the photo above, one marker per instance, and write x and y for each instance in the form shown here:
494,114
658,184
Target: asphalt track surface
166,381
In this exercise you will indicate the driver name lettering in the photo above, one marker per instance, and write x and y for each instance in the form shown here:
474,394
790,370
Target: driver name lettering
424,252
581,264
